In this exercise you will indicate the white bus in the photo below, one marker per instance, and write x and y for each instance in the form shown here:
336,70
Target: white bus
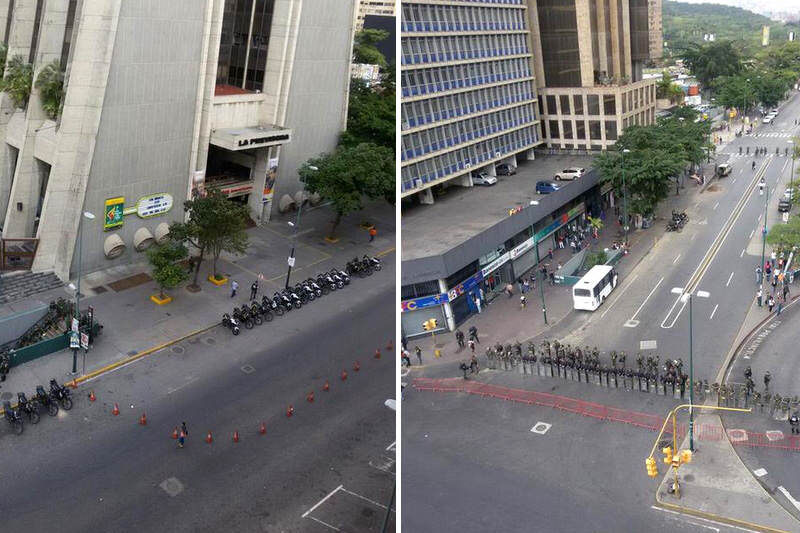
593,288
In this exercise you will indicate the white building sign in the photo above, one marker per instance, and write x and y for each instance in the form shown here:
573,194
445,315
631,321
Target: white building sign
154,205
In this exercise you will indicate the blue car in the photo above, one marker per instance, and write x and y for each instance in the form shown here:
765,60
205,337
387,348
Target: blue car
546,187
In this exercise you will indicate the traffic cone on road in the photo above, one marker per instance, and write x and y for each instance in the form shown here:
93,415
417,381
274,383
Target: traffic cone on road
310,397
235,436
92,397
289,411
143,420
356,366
327,386
262,428
209,438
377,353
74,384
115,410
344,375
175,433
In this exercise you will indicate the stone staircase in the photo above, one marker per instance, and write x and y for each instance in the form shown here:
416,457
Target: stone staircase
16,286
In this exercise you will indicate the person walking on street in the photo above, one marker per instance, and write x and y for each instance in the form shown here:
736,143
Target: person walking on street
525,286
477,299
770,303
759,295
772,257
473,365
182,435
472,346
758,274
550,253
552,278
520,285
254,290
509,290
473,334
405,359
418,352
794,422
372,233
460,338
234,288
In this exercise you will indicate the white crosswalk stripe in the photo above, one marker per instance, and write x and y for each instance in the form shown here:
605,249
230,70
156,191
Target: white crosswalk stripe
773,134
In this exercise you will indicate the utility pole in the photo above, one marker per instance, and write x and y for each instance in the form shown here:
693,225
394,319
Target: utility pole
764,230
624,198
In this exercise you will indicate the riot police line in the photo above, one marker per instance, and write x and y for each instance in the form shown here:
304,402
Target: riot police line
256,313
648,375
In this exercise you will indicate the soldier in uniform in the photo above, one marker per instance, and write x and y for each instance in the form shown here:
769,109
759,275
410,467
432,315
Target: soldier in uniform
767,378
460,338
794,421
463,366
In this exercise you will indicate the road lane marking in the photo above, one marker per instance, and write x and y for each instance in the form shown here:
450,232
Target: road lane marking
331,493
712,312
742,254
619,295
324,523
716,205
729,279
373,502
189,381
734,179
541,428
392,447
759,218
751,233
789,497
676,259
648,297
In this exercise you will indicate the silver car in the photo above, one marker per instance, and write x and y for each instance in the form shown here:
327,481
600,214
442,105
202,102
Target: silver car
572,173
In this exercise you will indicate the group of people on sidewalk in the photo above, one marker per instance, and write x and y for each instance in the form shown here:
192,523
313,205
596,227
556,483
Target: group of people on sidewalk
774,274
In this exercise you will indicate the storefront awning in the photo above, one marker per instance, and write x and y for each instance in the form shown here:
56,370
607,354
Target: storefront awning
236,139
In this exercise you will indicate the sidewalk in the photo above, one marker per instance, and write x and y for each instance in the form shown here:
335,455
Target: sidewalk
133,325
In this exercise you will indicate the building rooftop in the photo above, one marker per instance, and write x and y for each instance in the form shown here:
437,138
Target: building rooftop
462,213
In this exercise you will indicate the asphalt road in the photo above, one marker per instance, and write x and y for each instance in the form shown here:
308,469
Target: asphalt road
643,308
88,470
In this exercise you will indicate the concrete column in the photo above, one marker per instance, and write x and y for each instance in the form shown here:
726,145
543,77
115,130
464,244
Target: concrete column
448,309
259,177
602,32
80,120
3,17
616,53
28,178
530,154
425,196
583,15
535,40
463,181
626,29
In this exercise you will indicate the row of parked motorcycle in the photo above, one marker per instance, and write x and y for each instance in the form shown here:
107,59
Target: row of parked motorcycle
679,220
58,395
256,313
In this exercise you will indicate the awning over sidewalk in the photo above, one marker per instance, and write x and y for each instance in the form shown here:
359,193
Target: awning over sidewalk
236,139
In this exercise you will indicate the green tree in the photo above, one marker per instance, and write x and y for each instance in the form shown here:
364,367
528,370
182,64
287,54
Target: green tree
770,89
365,49
712,60
785,235
50,83
350,174
18,81
167,273
371,115
215,224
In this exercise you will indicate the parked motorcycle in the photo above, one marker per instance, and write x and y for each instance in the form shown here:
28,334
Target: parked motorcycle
272,304
340,275
243,317
376,264
254,314
315,287
326,283
13,416
357,267
263,312
230,323
44,399
30,408
296,298
61,394
305,290
283,300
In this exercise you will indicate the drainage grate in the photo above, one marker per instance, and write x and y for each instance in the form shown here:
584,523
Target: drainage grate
178,349
247,369
209,340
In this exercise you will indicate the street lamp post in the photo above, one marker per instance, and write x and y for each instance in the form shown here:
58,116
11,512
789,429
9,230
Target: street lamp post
296,226
764,229
684,297
791,176
624,198
541,283
89,216
744,102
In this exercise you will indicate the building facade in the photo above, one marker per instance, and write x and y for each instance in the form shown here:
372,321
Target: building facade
589,56
163,100
468,91
381,8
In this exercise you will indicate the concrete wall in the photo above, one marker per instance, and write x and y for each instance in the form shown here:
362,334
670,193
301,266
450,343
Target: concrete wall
146,130
320,77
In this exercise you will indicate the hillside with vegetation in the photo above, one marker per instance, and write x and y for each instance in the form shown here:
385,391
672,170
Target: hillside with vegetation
685,24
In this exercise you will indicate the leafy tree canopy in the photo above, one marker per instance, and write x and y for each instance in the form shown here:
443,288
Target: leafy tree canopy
50,83
166,272
371,114
712,60
18,80
785,235
364,49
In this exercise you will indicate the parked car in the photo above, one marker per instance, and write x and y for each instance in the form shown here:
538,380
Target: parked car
546,187
505,170
768,119
788,194
724,169
569,174
784,205
483,178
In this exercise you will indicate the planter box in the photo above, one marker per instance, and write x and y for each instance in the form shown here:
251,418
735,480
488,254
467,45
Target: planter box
218,282
159,301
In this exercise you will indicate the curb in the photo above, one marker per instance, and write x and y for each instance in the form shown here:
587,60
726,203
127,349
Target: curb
716,518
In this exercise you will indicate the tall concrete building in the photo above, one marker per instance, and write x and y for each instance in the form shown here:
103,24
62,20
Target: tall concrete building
588,57
382,8
468,91
162,100
656,28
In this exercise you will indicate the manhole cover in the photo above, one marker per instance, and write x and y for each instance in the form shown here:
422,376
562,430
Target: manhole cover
172,486
178,349
247,369
209,340
6,396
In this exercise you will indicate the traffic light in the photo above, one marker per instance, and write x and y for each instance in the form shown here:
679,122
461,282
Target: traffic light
652,469
667,455
686,456
430,324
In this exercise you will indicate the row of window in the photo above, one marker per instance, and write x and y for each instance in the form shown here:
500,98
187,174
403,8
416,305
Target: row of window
431,140
418,17
564,129
415,175
427,81
418,50
456,105
508,2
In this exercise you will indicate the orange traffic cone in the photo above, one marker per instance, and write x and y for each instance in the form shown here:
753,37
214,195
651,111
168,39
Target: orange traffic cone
262,428
356,366
389,346
235,436
92,397
327,386
143,420
175,433
289,411
115,410
344,375
310,397
209,438
74,384
378,353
